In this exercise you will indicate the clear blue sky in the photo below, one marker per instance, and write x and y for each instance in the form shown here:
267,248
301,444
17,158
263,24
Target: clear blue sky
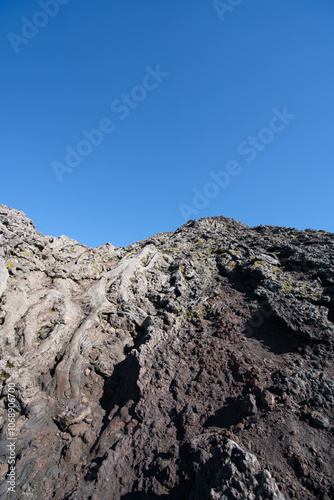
203,88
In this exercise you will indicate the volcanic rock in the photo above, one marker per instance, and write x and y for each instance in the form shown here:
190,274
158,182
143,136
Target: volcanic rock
194,364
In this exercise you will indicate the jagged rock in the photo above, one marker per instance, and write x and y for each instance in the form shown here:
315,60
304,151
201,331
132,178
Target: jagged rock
193,364
318,420
267,399
248,404
310,387
230,472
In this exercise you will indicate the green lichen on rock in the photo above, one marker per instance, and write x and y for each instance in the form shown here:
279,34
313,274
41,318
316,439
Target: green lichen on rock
259,263
10,265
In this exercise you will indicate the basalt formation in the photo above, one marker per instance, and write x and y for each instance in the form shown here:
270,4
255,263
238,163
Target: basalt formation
196,364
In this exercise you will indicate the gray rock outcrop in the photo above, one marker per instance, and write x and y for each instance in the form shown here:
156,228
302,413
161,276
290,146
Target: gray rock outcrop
194,364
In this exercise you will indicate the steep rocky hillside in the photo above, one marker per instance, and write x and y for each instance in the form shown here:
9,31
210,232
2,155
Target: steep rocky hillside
195,364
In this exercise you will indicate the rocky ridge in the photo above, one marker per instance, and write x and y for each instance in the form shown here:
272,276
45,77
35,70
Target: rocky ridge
194,364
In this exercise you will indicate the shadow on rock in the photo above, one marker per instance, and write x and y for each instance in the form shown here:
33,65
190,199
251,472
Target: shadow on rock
227,416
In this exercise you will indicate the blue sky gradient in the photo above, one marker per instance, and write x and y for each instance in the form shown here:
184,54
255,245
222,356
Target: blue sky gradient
226,69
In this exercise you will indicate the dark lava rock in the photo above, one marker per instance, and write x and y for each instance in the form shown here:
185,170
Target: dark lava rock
248,404
194,364
231,472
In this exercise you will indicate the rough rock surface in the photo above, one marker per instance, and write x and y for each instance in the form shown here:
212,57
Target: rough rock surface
195,364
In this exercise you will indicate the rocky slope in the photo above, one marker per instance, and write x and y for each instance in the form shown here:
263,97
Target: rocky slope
195,364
